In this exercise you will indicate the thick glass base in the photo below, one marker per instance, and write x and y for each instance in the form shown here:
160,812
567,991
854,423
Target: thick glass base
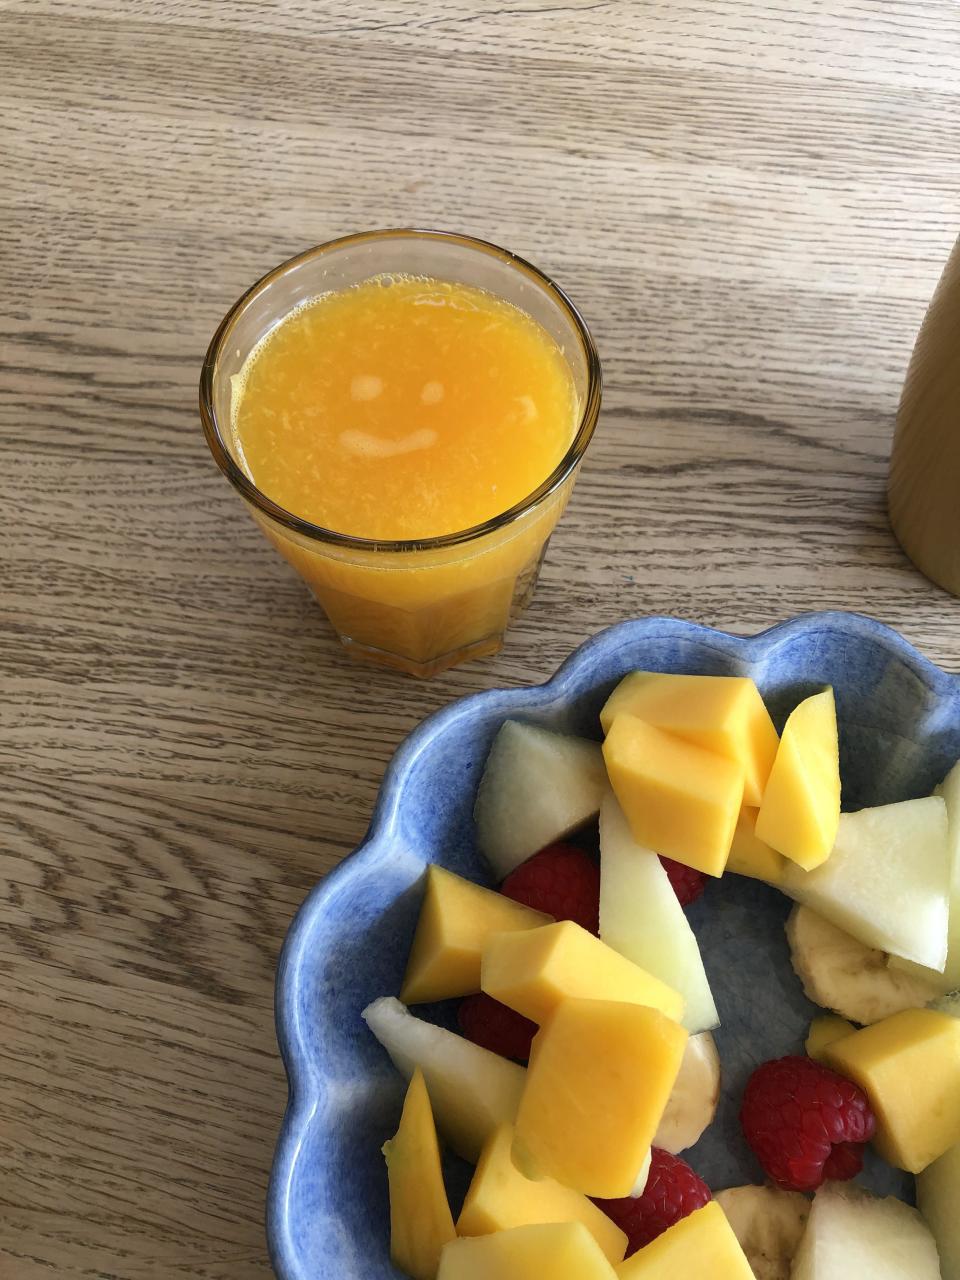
442,662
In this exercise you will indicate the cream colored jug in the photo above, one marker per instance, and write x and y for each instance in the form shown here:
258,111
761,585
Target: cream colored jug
924,488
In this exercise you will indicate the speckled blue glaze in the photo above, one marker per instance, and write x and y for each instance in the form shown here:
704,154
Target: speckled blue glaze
327,1211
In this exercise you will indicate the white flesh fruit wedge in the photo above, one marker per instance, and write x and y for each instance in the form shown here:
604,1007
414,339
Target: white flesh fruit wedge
938,1197
537,787
949,979
887,880
641,918
693,1102
842,974
472,1091
769,1224
851,1233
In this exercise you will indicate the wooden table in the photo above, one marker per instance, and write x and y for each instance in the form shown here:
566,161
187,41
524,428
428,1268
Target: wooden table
750,201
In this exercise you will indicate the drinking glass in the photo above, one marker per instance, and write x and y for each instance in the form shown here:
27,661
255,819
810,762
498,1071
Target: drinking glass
418,605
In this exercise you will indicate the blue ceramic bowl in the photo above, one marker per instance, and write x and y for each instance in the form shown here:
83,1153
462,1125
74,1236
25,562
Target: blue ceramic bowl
327,1210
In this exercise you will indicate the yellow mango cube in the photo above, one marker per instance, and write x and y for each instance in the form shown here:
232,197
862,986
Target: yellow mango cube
701,1245
824,1030
723,714
500,1197
547,1251
600,1075
749,856
909,1067
679,799
456,919
532,971
420,1219
800,810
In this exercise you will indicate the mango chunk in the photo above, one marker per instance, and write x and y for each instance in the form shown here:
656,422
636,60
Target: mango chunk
909,1067
749,855
547,1251
600,1075
800,810
420,1219
534,970
456,919
500,1197
679,799
825,1030
701,1245
723,714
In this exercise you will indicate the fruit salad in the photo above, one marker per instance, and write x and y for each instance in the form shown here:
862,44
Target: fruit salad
585,1065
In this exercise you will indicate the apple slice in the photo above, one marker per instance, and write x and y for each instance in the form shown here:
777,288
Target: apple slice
472,1090
537,787
851,1233
938,1197
887,880
641,918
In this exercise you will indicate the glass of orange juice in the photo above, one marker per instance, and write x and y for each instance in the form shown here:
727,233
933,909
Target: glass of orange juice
405,413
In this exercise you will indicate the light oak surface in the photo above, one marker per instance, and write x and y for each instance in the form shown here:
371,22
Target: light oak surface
751,202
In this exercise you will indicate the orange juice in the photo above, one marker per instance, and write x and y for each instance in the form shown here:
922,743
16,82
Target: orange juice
403,408
405,413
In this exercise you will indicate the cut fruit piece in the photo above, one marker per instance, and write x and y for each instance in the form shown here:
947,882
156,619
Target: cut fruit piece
851,1233
840,973
723,714
537,787
703,1244
456,919
641,918
500,1197
801,804
949,979
749,856
472,1090
769,1225
599,1078
693,1101
909,1067
887,880
678,798
551,1251
824,1031
938,1198
534,970
420,1218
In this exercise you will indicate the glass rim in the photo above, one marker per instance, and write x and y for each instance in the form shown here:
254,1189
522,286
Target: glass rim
224,459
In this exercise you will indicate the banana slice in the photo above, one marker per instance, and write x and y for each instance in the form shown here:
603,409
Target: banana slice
842,974
769,1223
694,1098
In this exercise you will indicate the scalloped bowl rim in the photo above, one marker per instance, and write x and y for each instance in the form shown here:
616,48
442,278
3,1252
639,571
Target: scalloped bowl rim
303,1096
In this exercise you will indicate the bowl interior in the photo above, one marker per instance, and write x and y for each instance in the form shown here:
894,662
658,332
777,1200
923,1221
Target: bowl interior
328,1213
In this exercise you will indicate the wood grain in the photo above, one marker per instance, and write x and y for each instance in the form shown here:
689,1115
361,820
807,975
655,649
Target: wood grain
751,202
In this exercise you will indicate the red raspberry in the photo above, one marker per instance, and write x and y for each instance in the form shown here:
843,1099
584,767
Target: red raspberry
805,1123
672,1192
494,1026
688,883
560,880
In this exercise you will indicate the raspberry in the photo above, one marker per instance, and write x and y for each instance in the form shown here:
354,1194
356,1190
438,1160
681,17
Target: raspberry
560,880
672,1192
688,883
493,1026
805,1123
